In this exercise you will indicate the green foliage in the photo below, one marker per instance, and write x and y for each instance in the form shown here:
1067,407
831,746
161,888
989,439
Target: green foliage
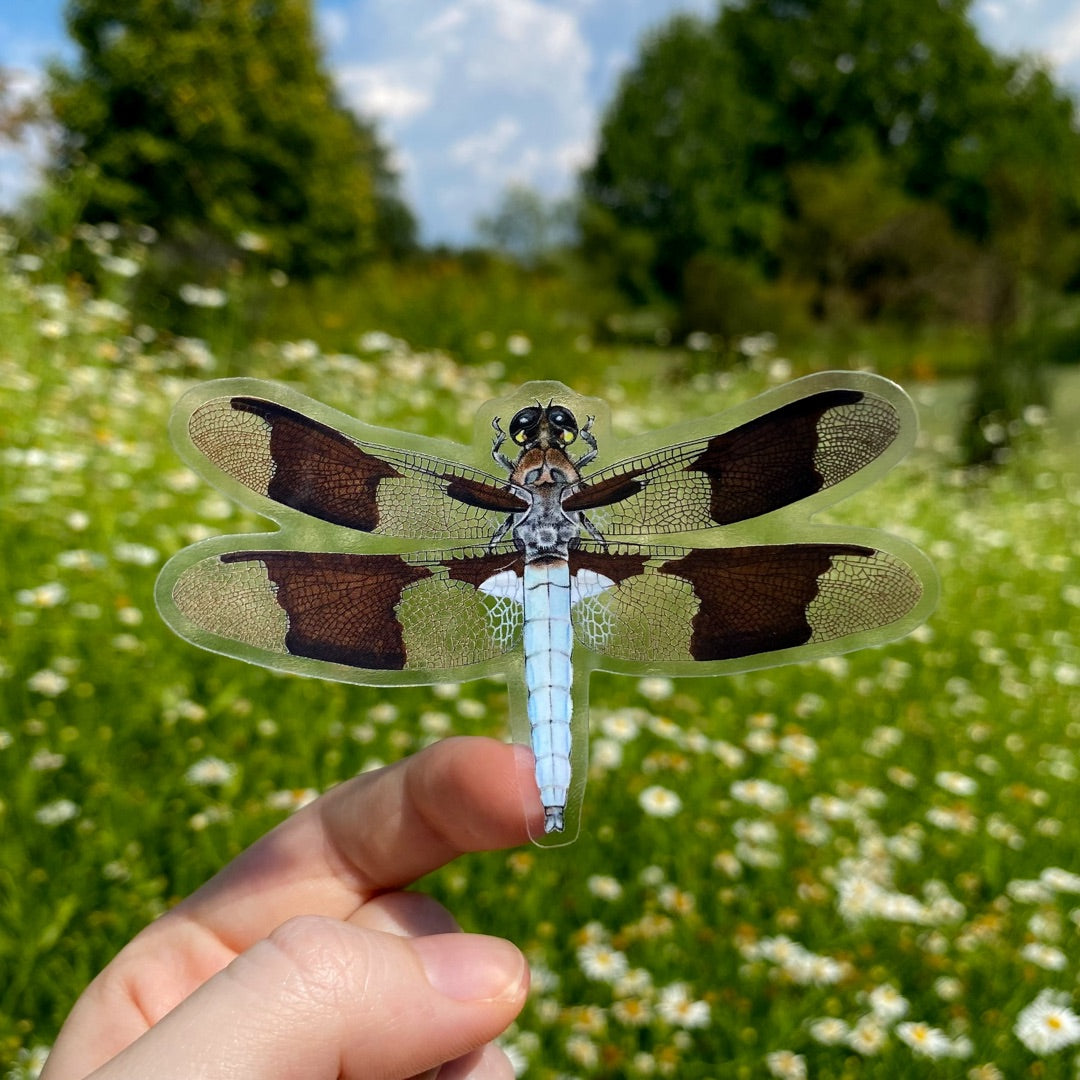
674,161
832,141
209,121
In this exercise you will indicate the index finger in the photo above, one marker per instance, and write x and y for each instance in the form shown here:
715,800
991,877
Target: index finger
375,832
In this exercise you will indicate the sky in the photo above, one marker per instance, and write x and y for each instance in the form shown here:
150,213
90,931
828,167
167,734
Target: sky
475,95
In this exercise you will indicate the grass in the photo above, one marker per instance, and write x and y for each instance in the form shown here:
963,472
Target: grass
890,819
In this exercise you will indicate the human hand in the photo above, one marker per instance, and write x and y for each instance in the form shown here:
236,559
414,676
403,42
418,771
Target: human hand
303,959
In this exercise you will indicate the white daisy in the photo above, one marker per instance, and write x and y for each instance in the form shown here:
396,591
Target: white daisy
658,801
1048,1024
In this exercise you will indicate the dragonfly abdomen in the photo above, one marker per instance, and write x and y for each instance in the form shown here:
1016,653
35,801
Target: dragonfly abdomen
548,677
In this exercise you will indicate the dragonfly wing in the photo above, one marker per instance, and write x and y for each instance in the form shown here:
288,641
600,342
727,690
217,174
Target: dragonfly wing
668,605
772,461
304,464
422,612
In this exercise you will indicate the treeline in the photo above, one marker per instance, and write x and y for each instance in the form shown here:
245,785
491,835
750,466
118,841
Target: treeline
873,158
787,161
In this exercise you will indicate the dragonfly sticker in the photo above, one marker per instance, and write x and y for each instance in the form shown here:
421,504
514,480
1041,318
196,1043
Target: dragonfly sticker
400,560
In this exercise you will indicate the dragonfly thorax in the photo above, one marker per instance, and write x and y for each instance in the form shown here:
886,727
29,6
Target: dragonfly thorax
545,529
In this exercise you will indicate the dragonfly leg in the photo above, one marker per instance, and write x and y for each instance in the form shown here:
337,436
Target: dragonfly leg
496,453
592,530
589,439
500,532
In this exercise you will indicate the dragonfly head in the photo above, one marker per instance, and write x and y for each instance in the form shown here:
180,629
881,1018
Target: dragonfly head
544,426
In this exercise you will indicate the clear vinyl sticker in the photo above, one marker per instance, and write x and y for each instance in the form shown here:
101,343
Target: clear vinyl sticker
545,549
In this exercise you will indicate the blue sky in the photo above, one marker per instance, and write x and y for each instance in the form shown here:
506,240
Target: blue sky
473,95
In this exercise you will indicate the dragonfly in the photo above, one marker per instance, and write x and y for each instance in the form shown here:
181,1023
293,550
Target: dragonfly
399,562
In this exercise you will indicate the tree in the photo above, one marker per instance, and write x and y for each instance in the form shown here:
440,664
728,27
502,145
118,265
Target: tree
711,139
670,177
216,117
526,227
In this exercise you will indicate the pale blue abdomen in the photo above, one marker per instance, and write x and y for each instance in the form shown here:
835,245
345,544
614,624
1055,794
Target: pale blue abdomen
548,678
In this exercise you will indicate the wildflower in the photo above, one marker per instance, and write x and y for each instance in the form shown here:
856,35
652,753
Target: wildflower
46,761
622,725
676,1007
675,900
136,554
868,1036
252,241
377,341
433,722
47,682
656,688
1060,880
212,815
56,812
989,1071
953,819
658,801
786,1065
732,756
121,265
516,1055
728,863
605,755
384,713
956,783
924,1039
471,709
762,793
605,887
601,962
202,296
582,1050
948,988
651,875
632,1011
829,1031
636,982
1048,1024
210,771
28,1064
887,1003
43,596
800,747
1045,956
80,559
291,800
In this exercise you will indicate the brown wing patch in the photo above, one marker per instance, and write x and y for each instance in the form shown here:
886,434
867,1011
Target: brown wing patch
340,608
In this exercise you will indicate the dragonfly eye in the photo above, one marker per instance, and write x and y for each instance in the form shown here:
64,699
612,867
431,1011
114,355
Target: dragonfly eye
564,423
523,428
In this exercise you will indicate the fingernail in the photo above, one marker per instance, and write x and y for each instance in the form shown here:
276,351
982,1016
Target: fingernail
471,967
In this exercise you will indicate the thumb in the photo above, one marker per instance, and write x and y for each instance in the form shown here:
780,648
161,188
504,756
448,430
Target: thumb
325,1000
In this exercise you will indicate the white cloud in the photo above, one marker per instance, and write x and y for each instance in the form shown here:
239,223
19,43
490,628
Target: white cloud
480,150
377,90
1064,49
476,93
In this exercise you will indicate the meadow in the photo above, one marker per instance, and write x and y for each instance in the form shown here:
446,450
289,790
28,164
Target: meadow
861,867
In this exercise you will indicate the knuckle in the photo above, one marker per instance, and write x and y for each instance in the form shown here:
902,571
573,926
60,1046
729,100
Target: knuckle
321,959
